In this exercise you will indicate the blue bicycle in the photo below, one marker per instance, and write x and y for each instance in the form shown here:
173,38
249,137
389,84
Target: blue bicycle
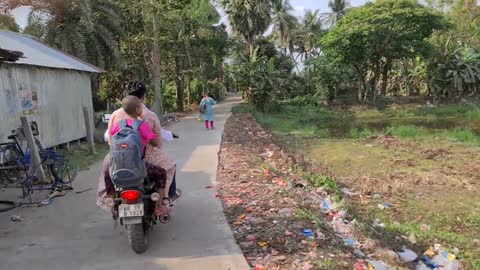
17,168
15,156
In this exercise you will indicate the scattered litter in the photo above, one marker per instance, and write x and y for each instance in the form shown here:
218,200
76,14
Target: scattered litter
385,205
377,265
251,237
207,187
308,233
358,254
262,244
82,191
438,259
350,242
407,255
260,267
16,218
412,238
216,195
359,265
47,201
376,196
377,224
327,205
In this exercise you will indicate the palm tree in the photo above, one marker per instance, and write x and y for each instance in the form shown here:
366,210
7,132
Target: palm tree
284,23
310,30
338,8
88,29
249,18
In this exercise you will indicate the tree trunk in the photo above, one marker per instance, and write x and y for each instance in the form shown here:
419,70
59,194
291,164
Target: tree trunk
386,70
189,92
179,84
156,62
373,83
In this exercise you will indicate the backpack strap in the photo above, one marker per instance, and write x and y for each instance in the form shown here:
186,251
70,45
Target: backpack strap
136,124
123,123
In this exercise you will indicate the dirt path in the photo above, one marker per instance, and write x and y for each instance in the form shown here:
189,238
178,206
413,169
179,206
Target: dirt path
72,233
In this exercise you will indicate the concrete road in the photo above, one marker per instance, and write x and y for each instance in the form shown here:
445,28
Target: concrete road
73,233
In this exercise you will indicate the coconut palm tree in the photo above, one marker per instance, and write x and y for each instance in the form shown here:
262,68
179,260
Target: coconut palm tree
88,29
338,9
308,34
284,23
249,18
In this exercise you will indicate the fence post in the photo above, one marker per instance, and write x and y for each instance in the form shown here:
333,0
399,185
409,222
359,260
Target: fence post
34,154
89,129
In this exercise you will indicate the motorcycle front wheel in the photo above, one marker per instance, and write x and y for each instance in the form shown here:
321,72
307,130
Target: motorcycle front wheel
137,238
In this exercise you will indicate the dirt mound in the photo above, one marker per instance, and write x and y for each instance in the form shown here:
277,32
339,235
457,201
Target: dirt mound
390,142
435,154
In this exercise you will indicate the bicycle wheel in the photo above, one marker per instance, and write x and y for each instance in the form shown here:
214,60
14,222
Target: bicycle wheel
60,170
7,205
13,160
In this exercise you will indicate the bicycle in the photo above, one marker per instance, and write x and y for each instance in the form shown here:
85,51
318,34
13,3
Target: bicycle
57,165
13,158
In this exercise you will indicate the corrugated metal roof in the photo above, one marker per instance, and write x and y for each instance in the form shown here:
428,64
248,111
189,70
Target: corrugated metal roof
37,53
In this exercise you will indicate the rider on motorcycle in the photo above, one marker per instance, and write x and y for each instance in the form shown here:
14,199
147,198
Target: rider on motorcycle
155,159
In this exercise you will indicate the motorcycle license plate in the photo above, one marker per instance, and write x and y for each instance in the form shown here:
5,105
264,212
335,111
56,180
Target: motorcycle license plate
130,210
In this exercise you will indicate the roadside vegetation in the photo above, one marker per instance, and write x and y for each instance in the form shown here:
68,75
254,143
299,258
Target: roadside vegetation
387,103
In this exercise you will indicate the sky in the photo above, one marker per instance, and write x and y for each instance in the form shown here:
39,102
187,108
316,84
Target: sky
21,14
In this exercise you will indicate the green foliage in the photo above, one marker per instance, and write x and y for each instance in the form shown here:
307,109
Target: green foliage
466,136
453,73
111,86
249,18
200,88
369,38
331,79
356,133
408,131
7,22
169,98
84,28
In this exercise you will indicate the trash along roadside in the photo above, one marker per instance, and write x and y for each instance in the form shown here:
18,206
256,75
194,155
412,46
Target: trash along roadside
284,215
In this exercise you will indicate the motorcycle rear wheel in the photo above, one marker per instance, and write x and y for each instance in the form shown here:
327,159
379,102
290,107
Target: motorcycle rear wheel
137,238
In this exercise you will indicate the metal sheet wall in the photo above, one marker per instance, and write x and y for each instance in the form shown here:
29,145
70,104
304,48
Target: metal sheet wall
61,96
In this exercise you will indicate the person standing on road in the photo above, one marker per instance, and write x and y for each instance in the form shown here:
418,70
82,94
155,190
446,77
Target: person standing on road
206,109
